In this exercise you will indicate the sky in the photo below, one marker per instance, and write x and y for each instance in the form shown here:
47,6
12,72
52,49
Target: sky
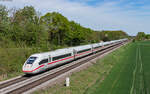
131,16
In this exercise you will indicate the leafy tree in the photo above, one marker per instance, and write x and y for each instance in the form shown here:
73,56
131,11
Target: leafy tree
4,24
112,35
3,14
140,36
57,26
147,36
27,14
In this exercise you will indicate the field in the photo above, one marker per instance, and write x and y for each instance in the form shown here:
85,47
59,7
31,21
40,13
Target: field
124,71
130,76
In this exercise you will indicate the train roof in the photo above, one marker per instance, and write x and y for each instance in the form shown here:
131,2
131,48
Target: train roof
53,53
81,47
70,49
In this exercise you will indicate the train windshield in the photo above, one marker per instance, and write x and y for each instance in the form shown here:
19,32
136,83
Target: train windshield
31,60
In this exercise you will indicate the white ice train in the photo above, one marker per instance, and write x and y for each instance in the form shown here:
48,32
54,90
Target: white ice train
41,61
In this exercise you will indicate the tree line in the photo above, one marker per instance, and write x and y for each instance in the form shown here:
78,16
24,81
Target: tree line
142,36
28,28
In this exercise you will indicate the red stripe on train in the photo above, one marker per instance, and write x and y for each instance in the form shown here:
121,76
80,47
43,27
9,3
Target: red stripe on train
34,69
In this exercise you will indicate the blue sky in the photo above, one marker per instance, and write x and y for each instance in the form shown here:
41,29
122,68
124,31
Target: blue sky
131,16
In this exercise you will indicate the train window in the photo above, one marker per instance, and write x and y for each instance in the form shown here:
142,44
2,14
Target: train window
43,61
49,59
83,51
31,60
61,56
97,47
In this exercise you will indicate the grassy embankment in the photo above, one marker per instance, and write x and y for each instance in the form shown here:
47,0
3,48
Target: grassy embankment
11,61
83,81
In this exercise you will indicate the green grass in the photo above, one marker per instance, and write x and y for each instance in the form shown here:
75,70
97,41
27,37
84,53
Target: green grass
145,58
119,80
130,76
81,82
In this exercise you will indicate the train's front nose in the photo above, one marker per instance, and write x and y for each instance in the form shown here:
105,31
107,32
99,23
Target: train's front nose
28,66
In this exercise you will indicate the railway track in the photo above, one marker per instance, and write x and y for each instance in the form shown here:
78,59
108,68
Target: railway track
25,83
6,84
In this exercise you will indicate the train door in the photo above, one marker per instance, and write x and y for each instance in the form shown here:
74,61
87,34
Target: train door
103,45
45,62
49,60
74,53
92,48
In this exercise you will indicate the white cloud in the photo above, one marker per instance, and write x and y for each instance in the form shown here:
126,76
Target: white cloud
103,16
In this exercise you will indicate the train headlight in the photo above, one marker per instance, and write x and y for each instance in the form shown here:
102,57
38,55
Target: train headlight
28,66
